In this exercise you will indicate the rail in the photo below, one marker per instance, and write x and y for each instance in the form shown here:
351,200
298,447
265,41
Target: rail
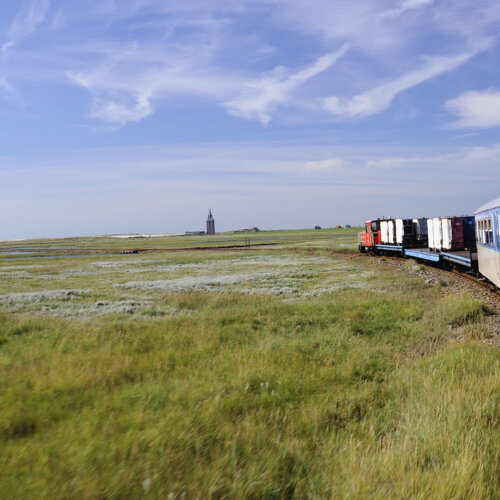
468,275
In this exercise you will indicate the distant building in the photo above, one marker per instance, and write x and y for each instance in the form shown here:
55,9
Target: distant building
248,230
210,223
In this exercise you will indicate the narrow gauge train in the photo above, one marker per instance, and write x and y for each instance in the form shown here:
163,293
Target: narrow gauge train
471,243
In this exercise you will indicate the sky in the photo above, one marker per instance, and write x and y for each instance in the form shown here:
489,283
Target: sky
125,116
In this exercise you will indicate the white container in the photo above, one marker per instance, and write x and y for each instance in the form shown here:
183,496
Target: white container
392,232
430,233
438,233
446,232
384,232
399,231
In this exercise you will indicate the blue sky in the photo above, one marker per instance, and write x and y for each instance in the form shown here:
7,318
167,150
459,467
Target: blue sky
124,116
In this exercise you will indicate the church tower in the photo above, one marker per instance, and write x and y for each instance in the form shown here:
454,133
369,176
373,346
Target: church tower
210,223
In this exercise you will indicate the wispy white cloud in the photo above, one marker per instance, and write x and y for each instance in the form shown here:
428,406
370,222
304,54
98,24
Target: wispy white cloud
261,97
380,98
330,164
125,86
9,93
119,103
475,109
130,77
405,6
357,21
58,21
376,27
26,21
6,46
483,160
177,58
390,163
121,113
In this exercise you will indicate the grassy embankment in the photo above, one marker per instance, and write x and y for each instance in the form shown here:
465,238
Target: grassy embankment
302,375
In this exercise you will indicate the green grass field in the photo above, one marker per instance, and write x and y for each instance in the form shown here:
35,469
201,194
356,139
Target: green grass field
284,371
307,237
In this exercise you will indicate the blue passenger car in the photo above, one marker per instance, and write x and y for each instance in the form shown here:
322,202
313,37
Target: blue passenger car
488,240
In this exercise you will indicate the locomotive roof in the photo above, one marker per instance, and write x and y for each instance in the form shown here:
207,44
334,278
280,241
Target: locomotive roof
488,206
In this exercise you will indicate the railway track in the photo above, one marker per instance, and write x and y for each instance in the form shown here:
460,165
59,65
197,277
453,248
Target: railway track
483,283
478,281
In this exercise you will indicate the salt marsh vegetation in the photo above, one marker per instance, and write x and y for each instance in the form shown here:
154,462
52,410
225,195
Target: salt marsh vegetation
279,273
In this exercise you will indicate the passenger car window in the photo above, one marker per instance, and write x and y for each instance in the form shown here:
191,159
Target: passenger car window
485,234
489,229
498,231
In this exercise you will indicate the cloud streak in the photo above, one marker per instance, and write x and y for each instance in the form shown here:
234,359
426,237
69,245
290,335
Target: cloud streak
330,164
405,6
380,98
9,93
29,17
25,23
261,97
125,84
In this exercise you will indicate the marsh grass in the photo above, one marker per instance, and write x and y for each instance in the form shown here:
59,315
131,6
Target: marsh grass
462,309
88,287
413,265
346,238
355,393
